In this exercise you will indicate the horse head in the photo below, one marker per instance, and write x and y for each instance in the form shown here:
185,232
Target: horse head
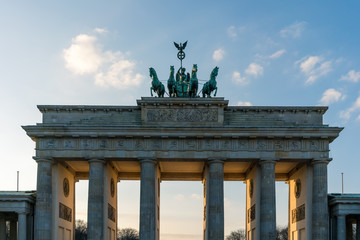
194,69
215,71
152,72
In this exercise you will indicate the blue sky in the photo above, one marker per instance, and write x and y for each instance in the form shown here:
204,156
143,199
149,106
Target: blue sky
269,53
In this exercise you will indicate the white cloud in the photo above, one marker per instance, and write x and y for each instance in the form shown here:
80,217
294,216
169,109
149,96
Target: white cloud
331,96
109,69
351,76
195,196
179,197
120,75
238,79
294,30
277,54
83,56
314,67
100,30
254,69
233,31
346,114
218,54
358,118
240,103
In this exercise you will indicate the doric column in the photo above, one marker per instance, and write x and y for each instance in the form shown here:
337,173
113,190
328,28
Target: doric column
267,200
214,200
95,199
22,226
320,215
43,209
13,229
2,227
148,200
341,227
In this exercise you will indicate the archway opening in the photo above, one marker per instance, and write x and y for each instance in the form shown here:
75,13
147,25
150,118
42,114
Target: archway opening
282,207
128,204
234,206
81,200
181,210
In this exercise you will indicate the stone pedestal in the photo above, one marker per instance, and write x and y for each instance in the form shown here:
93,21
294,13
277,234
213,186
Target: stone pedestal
214,181
320,214
149,215
95,200
22,224
43,210
267,202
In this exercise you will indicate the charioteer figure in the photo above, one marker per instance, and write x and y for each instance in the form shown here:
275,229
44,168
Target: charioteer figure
182,76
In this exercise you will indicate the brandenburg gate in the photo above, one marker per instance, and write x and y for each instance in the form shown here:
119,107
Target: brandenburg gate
197,139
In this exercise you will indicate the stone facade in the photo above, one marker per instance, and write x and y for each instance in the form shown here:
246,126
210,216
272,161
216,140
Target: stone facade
18,209
344,216
200,139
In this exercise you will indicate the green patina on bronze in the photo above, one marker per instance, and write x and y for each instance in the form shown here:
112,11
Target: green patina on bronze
182,84
156,85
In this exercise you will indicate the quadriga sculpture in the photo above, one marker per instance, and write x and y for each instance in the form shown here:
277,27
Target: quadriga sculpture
194,83
171,83
210,85
156,85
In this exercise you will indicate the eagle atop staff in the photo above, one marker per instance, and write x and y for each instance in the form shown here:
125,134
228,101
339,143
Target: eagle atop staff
180,47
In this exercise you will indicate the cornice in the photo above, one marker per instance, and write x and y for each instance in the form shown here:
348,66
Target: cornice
278,109
40,131
85,108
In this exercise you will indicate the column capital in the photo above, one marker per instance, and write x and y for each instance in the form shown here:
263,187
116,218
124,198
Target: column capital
216,160
268,160
99,160
148,160
321,160
44,159
340,215
23,212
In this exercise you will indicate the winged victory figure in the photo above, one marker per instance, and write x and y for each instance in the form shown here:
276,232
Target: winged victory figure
181,46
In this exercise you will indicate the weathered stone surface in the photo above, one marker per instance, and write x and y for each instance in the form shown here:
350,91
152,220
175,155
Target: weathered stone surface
267,201
95,200
148,201
320,214
214,200
43,210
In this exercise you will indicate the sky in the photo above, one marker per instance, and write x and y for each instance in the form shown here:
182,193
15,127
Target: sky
269,53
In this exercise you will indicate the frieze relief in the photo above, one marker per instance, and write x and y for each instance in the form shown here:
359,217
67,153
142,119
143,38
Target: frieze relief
65,212
182,115
185,144
298,214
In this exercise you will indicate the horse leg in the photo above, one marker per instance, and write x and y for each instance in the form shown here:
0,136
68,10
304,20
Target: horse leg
215,92
151,91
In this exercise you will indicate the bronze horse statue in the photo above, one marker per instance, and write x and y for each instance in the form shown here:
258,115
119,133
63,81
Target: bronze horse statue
156,85
194,83
210,85
171,83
